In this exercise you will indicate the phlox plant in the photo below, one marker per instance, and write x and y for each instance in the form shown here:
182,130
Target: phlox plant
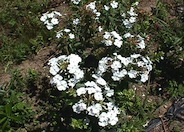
100,49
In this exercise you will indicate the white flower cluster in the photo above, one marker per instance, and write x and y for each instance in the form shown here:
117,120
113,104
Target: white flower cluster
92,7
98,90
113,4
96,95
60,33
140,43
119,66
75,1
66,71
110,116
129,18
107,113
112,38
50,19
76,21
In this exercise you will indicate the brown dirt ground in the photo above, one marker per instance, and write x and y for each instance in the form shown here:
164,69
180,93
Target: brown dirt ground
35,62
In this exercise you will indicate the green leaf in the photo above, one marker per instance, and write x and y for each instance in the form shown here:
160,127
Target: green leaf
2,120
15,118
8,109
5,124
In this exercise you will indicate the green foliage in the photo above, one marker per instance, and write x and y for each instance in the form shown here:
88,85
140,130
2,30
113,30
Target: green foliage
78,124
14,111
175,89
21,31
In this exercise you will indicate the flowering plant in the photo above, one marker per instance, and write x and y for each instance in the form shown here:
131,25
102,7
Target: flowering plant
101,48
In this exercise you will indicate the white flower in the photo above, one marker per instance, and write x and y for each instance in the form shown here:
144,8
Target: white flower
140,63
132,74
78,107
43,18
118,43
50,15
100,29
99,80
108,42
106,7
54,21
72,82
116,65
76,1
136,3
134,56
94,110
128,35
72,68
103,119
59,34
74,59
56,79
114,4
131,12
91,90
66,30
50,19
123,15
132,19
110,106
57,13
124,60
98,96
107,35
49,26
54,69
62,85
72,36
117,76
110,93
79,74
116,35
141,43
91,5
113,120
81,91
127,23
76,21
123,73
97,14
144,77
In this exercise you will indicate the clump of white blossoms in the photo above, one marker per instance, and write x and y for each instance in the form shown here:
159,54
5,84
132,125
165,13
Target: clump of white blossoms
97,89
66,32
112,38
98,107
96,95
140,43
66,71
50,19
129,18
75,1
114,4
76,21
120,67
92,7
109,116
